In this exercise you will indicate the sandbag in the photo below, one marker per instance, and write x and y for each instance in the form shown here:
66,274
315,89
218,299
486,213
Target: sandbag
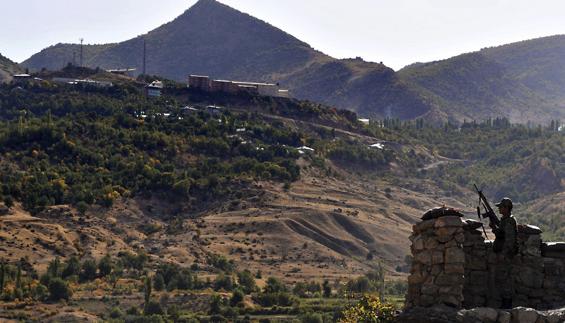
439,212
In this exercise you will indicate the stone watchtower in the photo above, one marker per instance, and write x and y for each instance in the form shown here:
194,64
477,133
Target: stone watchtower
453,265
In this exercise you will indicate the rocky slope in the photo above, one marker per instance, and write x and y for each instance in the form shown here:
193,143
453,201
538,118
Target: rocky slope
7,69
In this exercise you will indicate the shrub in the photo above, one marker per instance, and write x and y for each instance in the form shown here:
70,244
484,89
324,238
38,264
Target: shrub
274,285
9,202
116,312
40,292
105,266
72,268
215,304
88,271
237,297
368,309
312,318
223,282
59,289
153,307
222,263
158,282
246,282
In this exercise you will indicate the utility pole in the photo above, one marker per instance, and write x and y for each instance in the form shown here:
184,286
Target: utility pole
81,57
144,57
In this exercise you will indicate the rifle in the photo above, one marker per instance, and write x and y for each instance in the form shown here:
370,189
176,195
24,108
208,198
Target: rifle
494,221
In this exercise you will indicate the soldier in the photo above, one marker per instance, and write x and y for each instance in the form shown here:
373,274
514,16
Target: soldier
506,247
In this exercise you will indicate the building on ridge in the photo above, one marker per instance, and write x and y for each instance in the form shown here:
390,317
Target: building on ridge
204,83
154,89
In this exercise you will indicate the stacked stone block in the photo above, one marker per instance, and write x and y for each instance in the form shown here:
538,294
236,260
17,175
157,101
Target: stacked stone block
438,268
554,274
476,286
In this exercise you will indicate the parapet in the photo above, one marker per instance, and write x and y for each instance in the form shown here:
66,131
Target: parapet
453,265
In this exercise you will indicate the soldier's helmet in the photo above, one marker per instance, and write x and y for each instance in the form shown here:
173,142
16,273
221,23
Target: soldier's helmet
505,202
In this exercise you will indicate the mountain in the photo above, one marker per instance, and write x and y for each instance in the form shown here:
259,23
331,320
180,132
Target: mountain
7,69
213,39
538,63
524,81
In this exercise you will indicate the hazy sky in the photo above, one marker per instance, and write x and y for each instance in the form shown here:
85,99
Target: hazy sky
396,32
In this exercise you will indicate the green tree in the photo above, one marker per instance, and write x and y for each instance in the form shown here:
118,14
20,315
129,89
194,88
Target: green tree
105,266
369,309
246,281
274,285
59,289
237,297
158,282
2,277
88,270
54,268
9,202
215,304
40,292
147,294
153,308
223,282
327,289
72,268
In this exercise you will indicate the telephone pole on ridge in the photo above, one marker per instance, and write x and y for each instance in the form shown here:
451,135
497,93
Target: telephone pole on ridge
81,61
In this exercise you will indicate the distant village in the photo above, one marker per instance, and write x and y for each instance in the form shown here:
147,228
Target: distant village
155,89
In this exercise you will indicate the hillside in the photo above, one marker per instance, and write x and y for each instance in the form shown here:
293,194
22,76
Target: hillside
7,69
521,81
213,39
537,63
106,189
207,173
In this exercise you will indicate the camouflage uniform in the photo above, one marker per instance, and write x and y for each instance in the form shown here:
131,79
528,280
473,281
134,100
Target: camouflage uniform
506,247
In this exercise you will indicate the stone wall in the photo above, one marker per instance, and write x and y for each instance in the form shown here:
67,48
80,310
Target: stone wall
438,268
453,265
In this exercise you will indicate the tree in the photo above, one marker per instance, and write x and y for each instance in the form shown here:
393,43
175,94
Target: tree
105,266
18,290
237,297
274,285
153,308
82,207
72,268
59,289
88,271
9,202
215,304
327,289
40,292
246,281
2,277
147,294
54,268
158,282
223,282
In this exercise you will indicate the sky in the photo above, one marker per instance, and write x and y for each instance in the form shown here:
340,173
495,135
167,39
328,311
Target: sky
395,32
